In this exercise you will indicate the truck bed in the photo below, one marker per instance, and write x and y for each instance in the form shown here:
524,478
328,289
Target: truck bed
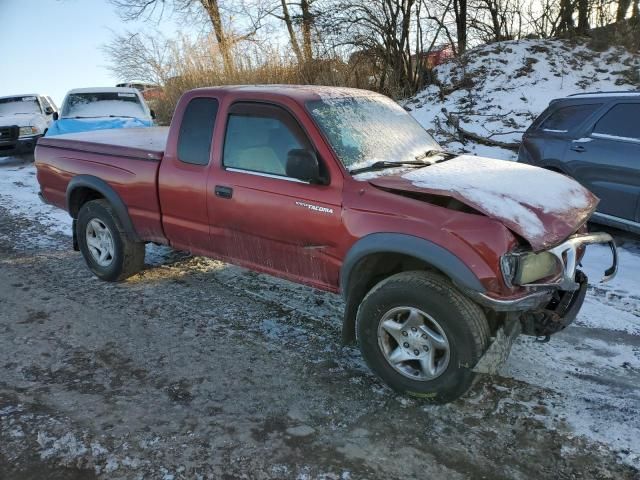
142,143
124,160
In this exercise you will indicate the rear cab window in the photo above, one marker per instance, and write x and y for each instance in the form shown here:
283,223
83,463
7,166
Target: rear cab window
621,122
196,130
567,118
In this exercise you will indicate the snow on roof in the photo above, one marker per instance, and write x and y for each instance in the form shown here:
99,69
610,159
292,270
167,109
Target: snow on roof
605,94
103,90
22,95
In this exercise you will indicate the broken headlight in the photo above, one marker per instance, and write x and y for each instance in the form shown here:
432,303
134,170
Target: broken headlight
527,268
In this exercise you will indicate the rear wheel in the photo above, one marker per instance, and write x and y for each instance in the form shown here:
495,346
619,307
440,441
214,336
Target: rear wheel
106,248
421,335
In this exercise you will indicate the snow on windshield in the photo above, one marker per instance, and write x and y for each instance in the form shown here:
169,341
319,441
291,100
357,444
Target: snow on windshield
19,105
103,104
366,128
505,189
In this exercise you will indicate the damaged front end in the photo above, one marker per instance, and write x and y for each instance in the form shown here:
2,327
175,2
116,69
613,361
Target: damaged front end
547,306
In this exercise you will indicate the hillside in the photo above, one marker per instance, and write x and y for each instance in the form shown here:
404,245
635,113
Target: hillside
495,91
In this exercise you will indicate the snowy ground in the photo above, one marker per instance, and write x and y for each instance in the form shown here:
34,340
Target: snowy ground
497,90
195,369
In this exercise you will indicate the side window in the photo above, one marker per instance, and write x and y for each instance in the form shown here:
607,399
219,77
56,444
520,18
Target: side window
621,121
566,118
45,104
259,138
196,131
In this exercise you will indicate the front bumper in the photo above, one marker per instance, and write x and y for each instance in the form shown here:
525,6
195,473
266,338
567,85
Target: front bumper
540,294
18,146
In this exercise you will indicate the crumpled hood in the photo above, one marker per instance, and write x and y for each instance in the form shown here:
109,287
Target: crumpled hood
541,206
73,125
19,120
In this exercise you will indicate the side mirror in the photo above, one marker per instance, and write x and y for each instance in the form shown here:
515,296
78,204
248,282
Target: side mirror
303,165
153,114
56,115
48,110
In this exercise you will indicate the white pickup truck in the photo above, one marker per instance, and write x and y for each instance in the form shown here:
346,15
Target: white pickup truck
24,119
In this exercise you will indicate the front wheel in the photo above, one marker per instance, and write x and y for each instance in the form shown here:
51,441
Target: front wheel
106,248
421,335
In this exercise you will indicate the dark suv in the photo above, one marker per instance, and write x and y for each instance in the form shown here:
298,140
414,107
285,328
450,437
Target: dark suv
594,138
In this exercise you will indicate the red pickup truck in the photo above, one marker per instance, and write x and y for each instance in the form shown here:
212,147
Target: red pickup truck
442,259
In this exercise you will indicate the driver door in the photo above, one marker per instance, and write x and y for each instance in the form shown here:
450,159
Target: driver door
260,216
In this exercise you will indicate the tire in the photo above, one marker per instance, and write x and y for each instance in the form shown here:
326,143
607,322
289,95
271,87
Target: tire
99,225
449,335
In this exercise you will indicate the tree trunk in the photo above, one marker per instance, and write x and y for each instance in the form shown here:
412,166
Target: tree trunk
460,10
307,23
636,10
583,17
566,16
211,7
623,8
292,34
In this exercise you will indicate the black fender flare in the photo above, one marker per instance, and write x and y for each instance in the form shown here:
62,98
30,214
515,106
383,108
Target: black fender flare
109,194
396,243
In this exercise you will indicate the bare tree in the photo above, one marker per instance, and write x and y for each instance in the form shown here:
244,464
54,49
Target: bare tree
137,56
286,18
583,16
565,24
136,9
460,11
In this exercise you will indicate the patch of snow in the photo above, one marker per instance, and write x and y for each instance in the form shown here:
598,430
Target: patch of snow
19,194
504,190
583,140
498,89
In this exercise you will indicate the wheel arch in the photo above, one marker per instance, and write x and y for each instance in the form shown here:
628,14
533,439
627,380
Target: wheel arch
379,255
84,188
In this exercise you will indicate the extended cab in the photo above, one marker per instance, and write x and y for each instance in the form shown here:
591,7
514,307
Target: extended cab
442,259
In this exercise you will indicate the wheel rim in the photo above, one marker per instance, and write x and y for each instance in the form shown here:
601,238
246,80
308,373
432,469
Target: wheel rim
413,343
100,242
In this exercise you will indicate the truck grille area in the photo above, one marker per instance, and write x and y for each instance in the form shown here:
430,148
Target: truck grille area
8,134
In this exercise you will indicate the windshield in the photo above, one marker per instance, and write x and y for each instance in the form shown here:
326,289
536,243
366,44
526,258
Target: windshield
103,104
369,129
19,105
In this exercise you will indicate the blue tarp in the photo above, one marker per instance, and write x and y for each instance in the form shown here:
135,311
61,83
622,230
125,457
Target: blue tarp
73,125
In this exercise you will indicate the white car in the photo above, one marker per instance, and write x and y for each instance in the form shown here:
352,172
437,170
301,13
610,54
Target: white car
24,119
86,109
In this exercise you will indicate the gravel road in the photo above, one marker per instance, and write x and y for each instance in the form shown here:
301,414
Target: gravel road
195,369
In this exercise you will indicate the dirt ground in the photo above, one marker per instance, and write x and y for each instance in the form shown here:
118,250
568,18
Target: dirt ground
195,369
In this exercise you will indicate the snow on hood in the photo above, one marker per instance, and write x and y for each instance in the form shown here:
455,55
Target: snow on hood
21,120
543,207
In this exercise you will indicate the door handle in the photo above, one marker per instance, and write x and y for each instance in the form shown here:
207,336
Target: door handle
578,148
223,192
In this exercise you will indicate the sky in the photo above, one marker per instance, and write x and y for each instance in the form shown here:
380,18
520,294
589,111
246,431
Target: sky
55,45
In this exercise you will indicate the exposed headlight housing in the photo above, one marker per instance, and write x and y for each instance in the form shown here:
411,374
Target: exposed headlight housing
528,268
28,131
